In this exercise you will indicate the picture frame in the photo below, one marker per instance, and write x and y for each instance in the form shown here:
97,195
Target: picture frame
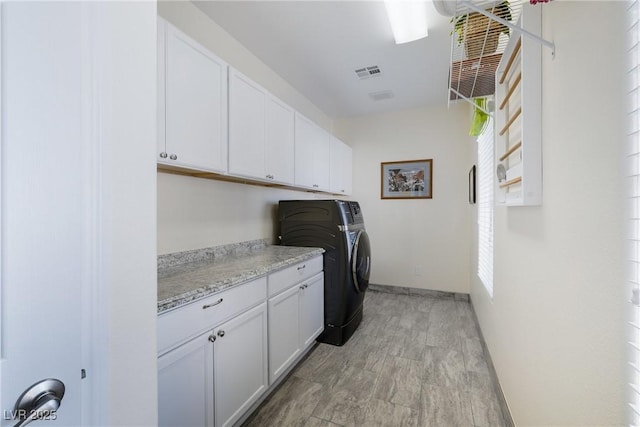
472,185
407,179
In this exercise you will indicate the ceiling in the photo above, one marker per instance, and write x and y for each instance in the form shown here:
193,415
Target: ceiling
316,46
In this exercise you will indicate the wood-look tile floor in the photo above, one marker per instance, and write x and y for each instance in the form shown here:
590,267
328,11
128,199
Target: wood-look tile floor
414,361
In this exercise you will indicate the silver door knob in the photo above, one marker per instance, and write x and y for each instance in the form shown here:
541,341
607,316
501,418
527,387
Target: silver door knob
173,157
163,155
39,401
212,338
220,334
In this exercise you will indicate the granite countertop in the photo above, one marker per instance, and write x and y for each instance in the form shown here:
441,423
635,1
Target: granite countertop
201,275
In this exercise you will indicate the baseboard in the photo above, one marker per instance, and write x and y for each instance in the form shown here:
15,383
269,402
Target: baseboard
504,408
417,291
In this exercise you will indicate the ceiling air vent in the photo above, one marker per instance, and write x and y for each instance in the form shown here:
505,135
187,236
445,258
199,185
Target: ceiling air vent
382,95
366,72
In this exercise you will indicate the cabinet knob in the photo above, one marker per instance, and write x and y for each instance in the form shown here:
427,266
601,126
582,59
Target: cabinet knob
212,338
163,155
221,333
173,157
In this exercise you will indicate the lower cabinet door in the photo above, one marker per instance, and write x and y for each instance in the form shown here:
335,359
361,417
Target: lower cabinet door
240,364
284,342
185,384
311,310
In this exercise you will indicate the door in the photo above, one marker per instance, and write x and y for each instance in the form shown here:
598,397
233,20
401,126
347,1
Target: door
279,155
240,364
73,99
361,261
247,103
304,140
42,246
284,343
185,384
196,105
311,310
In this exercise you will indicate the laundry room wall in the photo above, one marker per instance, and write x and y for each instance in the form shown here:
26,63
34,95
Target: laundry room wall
421,243
555,325
195,213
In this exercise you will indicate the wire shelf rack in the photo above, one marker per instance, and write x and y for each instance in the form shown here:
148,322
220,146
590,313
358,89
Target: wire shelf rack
480,31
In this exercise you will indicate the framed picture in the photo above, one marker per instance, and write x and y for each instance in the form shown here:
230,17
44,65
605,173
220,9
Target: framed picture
472,185
410,179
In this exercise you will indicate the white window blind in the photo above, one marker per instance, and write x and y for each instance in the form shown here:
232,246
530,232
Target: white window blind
633,189
485,207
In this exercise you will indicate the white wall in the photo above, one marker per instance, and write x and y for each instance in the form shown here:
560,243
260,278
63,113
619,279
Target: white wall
127,137
555,325
196,213
432,235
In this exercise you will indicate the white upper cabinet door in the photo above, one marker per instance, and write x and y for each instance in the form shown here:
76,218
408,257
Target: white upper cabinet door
321,159
305,134
347,170
340,167
196,105
162,67
247,102
280,145
336,166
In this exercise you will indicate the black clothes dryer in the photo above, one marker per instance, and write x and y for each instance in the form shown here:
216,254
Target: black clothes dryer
337,226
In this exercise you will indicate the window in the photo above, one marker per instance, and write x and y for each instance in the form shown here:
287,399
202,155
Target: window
485,207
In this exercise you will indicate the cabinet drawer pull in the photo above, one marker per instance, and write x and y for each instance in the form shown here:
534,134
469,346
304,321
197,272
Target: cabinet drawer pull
302,266
204,307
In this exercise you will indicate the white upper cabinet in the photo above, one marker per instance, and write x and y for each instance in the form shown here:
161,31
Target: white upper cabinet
312,154
261,133
193,98
341,168
305,130
247,118
279,156
321,159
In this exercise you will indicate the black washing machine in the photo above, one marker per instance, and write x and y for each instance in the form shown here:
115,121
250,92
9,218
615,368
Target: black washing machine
337,226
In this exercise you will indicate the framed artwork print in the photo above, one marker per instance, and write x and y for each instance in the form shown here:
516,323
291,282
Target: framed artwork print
472,185
409,179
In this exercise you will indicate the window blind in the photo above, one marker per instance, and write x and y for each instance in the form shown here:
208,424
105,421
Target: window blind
485,207
633,193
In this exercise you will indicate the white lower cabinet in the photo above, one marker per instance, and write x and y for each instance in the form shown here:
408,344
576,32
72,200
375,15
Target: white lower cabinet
240,364
296,318
311,310
185,384
218,356
284,342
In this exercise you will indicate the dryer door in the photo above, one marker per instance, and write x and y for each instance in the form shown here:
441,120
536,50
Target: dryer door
361,261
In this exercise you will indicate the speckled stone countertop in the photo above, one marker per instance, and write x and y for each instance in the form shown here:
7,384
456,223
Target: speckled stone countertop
189,276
